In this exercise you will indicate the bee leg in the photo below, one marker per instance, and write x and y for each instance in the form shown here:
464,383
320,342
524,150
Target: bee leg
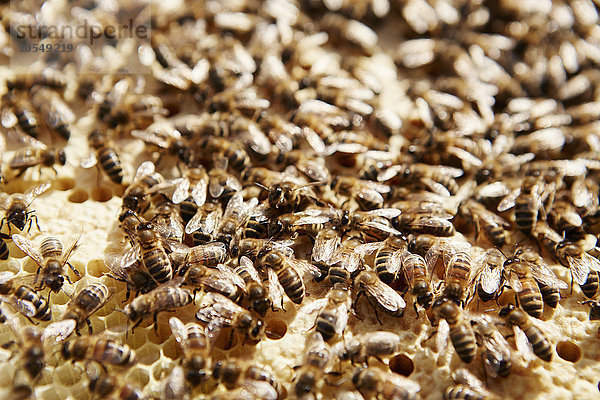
155,319
8,344
416,311
33,216
89,324
74,270
476,220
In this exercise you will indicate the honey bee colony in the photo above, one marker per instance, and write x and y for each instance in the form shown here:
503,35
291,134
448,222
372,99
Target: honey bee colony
306,199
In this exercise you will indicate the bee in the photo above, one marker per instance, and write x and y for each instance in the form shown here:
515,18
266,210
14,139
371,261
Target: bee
203,225
246,101
105,386
374,224
416,275
110,162
23,298
222,185
51,260
255,249
437,225
327,242
99,349
580,263
174,386
163,135
287,268
167,215
4,253
89,300
496,351
257,295
489,276
334,310
526,268
310,373
47,77
379,294
26,116
367,194
285,135
565,220
448,315
594,309
34,342
221,279
313,167
348,259
309,222
218,312
37,155
493,227
232,153
590,287
457,277
437,179
254,379
129,269
387,260
196,350
289,196
57,115
209,255
197,180
527,201
373,344
166,297
522,324
372,382
467,386
250,133
235,215
137,197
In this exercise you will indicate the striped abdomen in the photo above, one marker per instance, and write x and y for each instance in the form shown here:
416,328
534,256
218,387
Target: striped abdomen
590,287
526,213
551,295
462,392
26,294
530,297
541,346
3,249
381,265
463,340
457,276
111,164
292,284
51,247
157,263
111,352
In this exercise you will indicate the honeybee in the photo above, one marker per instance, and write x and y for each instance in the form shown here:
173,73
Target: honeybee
165,297
289,196
105,386
210,255
437,225
379,294
23,298
137,196
527,201
218,312
416,276
163,135
196,350
283,134
50,259
372,382
526,331
37,155
580,263
594,309
334,310
309,222
348,258
287,268
89,300
467,386
590,287
525,269
26,117
373,224
203,225
197,180
565,220
104,150
235,215
496,351
488,276
387,258
99,349
174,386
373,344
249,132
326,244
313,167
367,194
350,31
220,279
166,214
222,185
449,318
57,115
257,295
252,378
317,357
33,342
225,152
493,227
126,268
437,179
457,277
49,77
255,249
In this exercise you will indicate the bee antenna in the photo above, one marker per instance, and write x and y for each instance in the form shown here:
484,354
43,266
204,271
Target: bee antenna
501,252
260,185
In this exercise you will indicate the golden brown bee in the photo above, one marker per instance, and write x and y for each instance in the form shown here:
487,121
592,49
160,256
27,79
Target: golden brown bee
317,357
47,77
372,382
50,259
379,294
110,162
105,386
327,242
334,310
467,387
203,224
235,215
39,155
373,344
255,249
127,268
437,179
246,101
387,258
26,116
288,196
190,192
166,215
590,287
367,194
99,349
218,312
287,269
527,201
166,297
448,315
493,227
23,299
488,275
222,185
313,167
196,350
221,148
57,115
256,293
496,350
565,220
374,224
309,222
457,277
89,300
548,283
252,378
285,135
424,224
33,342
220,279
416,276
534,335
209,255
163,135
137,196
348,259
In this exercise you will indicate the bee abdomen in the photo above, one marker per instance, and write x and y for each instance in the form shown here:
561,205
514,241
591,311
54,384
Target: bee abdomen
381,268
110,162
325,325
496,234
462,392
464,343
525,217
113,353
550,295
51,247
590,287
292,284
541,346
43,312
158,265
187,209
531,300
3,250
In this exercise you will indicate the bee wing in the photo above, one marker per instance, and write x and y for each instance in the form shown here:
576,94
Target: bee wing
543,274
378,187
257,390
219,312
181,191
196,255
312,220
441,337
523,345
194,224
514,282
229,275
59,331
314,306
491,279
381,227
325,248
389,173
257,140
367,248
495,189
386,297
71,249
236,202
176,225
27,247
397,261
410,387
199,192
580,194
146,168
249,265
304,266
385,212
495,353
179,330
580,268
314,170
275,289
435,187
215,188
465,377
24,307
150,137
88,161
5,276
35,191
8,118
593,262
509,201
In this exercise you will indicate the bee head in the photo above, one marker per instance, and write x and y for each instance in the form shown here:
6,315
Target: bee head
506,310
54,282
62,157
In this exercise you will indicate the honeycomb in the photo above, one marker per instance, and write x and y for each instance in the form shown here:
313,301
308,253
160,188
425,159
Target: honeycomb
81,201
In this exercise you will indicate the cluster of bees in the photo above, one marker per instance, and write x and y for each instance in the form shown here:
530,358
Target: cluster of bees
272,161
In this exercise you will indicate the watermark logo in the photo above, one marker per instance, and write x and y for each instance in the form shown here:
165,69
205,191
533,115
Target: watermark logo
56,35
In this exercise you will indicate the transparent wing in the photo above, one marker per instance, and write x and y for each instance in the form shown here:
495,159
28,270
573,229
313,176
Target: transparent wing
491,279
35,191
88,161
514,282
509,201
71,249
27,247
304,266
543,274
146,168
367,248
381,227
385,212
314,306
59,331
199,192
249,265
386,297
275,289
217,313
324,248
579,268
24,307
465,377
150,137
523,345
181,191
229,275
